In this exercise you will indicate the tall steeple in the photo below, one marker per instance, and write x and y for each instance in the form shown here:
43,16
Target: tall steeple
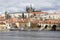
29,9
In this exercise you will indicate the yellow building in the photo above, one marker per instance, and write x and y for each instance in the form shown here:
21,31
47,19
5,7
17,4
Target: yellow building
3,26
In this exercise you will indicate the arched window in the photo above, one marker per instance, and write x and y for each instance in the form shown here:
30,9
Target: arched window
54,27
46,26
39,26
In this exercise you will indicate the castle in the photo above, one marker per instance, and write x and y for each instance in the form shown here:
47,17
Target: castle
31,19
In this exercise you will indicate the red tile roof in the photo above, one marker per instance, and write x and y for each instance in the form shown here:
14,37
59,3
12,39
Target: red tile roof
52,21
2,23
47,21
2,18
39,13
12,20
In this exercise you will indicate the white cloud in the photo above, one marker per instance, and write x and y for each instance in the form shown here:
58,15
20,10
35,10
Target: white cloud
12,9
27,4
52,11
16,5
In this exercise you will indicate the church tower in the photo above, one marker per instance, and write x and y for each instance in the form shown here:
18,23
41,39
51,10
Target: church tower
29,9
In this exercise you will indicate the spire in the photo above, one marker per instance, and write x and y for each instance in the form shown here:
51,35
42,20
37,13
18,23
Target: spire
5,12
29,9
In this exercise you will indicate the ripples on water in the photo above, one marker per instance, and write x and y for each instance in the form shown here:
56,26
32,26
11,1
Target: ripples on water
28,35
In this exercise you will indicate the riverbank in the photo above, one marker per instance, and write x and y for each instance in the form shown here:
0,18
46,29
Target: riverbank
27,30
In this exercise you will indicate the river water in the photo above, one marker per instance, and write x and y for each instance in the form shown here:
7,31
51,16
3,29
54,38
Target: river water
30,35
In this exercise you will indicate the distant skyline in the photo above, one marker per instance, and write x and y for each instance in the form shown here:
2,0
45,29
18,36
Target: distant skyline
20,5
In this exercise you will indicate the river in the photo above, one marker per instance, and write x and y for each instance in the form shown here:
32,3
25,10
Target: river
30,35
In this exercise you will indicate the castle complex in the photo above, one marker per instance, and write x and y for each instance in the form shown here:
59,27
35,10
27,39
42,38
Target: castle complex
30,20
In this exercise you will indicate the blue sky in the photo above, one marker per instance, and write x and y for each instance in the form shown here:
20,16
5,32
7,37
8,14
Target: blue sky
19,5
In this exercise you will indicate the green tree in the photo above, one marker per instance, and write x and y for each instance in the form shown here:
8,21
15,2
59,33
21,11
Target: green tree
7,16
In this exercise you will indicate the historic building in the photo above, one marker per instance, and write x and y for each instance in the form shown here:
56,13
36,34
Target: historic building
31,19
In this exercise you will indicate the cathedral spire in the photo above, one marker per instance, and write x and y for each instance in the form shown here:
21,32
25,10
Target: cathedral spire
29,8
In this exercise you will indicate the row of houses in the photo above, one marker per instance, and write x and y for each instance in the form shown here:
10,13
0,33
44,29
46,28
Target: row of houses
35,20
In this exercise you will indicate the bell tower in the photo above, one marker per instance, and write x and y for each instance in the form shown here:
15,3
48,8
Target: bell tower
29,9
